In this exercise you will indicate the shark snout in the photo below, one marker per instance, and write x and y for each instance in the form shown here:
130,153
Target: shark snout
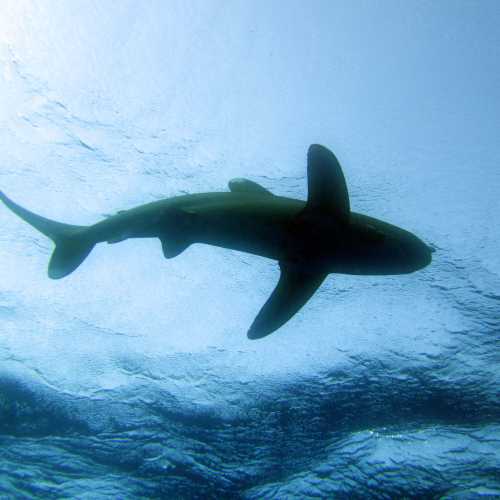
412,254
423,255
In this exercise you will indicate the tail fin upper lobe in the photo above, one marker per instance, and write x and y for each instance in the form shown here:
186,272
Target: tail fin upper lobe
72,242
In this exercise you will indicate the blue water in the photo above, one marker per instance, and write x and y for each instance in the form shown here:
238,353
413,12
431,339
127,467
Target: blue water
133,377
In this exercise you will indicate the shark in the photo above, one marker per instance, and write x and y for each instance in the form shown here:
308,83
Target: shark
310,239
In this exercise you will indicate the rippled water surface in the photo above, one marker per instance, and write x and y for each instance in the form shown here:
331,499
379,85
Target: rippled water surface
133,377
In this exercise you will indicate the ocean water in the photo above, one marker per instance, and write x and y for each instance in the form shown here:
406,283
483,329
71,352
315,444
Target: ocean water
133,377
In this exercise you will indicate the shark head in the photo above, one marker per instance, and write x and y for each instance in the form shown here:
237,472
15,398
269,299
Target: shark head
402,252
375,247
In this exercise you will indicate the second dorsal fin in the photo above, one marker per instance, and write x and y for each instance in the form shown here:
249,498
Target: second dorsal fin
327,189
240,185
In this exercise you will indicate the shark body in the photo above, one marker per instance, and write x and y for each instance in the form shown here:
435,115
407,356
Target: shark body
310,239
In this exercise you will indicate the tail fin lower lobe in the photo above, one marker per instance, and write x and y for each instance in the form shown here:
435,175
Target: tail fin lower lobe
72,242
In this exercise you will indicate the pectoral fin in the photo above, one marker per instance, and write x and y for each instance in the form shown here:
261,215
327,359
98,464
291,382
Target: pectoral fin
327,189
295,287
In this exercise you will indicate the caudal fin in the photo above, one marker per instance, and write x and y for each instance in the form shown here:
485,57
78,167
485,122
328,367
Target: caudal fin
72,242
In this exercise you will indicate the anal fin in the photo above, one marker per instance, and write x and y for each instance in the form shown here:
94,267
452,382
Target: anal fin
178,226
173,247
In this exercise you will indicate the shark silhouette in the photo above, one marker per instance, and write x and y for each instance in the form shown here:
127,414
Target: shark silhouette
309,239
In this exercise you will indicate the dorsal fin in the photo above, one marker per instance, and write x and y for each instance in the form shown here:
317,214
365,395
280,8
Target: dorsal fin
240,185
327,190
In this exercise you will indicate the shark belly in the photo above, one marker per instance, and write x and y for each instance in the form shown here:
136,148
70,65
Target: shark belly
255,223
265,239
263,231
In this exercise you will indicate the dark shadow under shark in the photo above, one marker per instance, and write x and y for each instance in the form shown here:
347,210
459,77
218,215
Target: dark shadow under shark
309,239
